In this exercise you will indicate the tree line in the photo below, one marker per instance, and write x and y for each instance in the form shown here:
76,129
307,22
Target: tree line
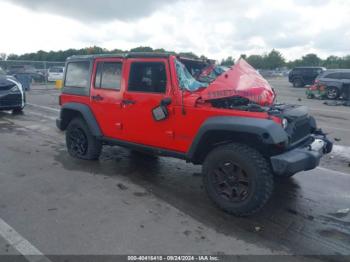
268,61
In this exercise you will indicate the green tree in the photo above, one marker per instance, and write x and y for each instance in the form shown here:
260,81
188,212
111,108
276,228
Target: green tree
3,56
256,61
142,49
229,61
311,60
274,60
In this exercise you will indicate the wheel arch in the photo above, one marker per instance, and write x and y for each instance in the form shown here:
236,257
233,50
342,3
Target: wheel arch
70,111
257,133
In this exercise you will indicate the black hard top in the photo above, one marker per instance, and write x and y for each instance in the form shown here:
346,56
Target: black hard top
133,55
122,55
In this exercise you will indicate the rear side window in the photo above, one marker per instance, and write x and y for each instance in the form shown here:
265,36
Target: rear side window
147,77
108,75
333,76
344,75
78,74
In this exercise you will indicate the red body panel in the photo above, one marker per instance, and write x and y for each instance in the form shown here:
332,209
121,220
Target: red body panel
241,80
135,123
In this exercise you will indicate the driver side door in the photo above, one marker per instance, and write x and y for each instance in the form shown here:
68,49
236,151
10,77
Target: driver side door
147,85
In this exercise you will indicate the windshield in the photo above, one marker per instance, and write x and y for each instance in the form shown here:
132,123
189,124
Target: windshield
186,80
212,72
2,72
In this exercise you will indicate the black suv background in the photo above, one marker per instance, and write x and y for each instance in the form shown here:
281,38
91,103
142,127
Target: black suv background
302,76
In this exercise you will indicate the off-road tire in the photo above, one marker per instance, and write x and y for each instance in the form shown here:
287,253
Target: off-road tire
255,166
298,83
332,93
18,110
93,146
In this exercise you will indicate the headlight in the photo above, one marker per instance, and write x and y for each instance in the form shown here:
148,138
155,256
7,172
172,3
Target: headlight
14,89
284,123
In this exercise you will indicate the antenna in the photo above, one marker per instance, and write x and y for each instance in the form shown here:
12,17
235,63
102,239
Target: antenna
182,102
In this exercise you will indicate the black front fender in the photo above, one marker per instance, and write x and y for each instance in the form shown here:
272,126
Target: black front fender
266,130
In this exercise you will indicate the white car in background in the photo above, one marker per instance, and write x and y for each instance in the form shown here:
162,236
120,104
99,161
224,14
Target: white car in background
55,73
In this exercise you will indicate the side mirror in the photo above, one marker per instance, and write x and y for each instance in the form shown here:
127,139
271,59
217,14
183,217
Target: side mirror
165,101
161,112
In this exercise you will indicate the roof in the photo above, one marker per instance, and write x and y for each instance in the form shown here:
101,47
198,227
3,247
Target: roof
308,67
338,70
134,55
121,55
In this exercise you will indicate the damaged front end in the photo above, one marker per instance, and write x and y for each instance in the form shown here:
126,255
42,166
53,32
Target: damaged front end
242,80
243,88
306,142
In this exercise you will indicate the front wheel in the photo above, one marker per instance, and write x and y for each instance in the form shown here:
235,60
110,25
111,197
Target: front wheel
80,141
18,110
332,93
238,179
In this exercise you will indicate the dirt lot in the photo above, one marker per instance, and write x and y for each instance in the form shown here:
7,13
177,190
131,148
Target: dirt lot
128,204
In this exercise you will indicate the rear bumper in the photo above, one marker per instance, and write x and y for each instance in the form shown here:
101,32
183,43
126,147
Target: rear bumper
301,159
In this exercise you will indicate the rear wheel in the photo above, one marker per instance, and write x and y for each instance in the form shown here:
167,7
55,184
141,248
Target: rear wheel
238,179
298,83
332,93
80,141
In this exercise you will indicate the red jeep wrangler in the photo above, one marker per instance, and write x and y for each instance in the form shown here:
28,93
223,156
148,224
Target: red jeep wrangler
228,123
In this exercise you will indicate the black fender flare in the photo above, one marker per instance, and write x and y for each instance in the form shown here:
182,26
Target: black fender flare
267,130
84,111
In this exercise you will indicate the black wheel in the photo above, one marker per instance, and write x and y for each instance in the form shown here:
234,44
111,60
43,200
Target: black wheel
298,83
80,142
18,110
238,179
332,93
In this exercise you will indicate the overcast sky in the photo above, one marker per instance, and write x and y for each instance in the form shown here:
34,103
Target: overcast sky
214,28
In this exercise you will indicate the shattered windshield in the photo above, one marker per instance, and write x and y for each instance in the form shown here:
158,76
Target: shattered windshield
186,80
212,72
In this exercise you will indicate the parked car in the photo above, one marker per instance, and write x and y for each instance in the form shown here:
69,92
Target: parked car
302,76
55,73
12,95
2,72
335,82
29,70
151,103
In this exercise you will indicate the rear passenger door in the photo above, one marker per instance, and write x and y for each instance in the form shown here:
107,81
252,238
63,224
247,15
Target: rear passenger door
106,85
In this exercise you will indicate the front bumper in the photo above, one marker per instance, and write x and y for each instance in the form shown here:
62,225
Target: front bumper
59,124
11,101
301,159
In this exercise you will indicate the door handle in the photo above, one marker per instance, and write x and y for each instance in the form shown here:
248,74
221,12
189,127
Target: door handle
127,102
97,98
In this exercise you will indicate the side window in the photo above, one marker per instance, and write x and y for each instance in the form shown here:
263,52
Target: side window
333,76
147,77
344,75
108,75
77,74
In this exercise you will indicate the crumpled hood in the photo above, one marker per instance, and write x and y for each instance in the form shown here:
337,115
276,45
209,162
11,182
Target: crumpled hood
241,80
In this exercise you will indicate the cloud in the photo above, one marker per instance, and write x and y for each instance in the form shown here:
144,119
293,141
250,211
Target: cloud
95,11
213,28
